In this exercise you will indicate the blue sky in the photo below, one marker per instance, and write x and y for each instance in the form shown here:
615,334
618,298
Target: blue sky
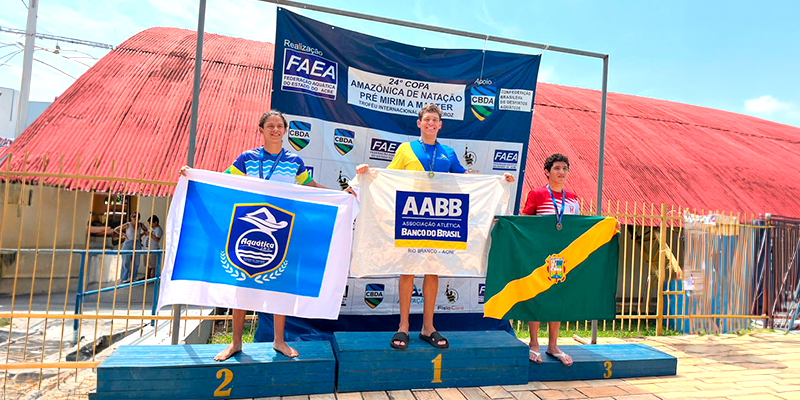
734,55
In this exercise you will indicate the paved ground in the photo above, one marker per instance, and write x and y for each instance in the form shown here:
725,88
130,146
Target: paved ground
758,366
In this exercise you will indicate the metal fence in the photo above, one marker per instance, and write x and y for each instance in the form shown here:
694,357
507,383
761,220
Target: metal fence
61,301
779,273
689,279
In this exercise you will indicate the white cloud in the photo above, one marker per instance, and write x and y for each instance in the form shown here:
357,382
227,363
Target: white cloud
504,29
254,20
767,105
772,109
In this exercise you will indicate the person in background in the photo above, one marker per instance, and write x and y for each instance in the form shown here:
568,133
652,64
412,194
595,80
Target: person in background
152,242
132,232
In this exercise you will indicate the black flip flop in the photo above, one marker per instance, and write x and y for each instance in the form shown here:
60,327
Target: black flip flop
400,337
434,340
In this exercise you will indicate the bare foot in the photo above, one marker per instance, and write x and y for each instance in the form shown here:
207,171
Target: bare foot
229,351
284,349
534,354
557,353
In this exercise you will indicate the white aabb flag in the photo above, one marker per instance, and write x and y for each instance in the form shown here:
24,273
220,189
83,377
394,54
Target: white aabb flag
247,243
413,224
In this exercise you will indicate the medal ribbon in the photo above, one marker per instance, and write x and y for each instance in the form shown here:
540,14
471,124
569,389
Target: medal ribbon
261,164
559,215
431,158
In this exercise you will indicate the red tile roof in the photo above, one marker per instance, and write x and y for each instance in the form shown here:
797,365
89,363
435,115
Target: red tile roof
131,112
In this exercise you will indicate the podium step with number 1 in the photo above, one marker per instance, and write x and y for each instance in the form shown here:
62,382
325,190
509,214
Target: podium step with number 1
366,362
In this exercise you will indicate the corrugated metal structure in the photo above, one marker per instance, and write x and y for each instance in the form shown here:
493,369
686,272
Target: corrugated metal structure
664,152
130,112
128,115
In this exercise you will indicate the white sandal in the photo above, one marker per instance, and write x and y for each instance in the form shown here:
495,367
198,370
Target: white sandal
561,356
537,354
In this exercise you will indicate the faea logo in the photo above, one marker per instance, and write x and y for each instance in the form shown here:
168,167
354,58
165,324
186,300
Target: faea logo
382,149
555,269
258,238
343,140
299,134
309,74
481,291
451,294
482,100
505,160
373,294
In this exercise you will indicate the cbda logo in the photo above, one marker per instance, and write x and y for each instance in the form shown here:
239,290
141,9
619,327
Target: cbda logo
373,294
343,140
299,134
482,99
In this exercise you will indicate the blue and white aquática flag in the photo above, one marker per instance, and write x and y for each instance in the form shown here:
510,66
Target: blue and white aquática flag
246,243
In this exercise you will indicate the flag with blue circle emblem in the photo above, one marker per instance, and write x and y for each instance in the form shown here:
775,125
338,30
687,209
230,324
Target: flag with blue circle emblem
246,243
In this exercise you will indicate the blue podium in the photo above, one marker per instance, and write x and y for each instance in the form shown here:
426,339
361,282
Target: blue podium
190,372
366,362
605,361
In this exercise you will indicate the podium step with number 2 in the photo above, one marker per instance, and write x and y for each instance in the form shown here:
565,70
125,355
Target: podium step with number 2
190,372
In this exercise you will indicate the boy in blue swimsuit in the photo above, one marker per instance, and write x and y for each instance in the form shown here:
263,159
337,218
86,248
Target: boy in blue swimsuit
273,163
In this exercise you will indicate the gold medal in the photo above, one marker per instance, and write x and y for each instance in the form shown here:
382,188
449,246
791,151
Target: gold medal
430,174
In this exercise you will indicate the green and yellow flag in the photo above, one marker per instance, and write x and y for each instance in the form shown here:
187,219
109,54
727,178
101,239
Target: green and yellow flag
538,273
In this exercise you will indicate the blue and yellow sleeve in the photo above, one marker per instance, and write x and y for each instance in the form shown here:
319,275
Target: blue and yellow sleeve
303,176
405,159
237,168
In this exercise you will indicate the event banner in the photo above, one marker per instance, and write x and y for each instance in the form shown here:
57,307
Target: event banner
352,98
539,273
378,296
247,243
413,224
